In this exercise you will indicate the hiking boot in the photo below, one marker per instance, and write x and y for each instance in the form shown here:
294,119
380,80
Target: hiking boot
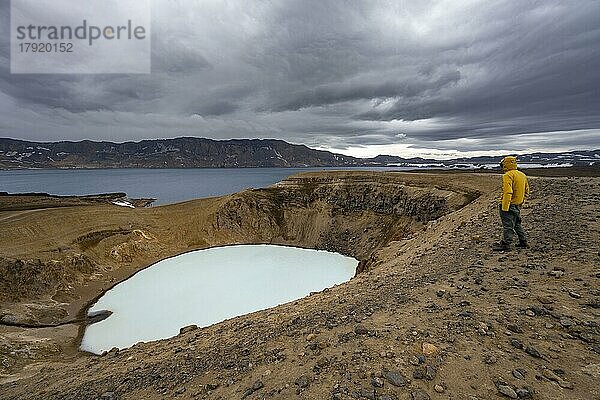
501,246
522,245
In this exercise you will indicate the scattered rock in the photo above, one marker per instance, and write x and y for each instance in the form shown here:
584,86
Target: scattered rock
367,393
418,373
537,311
518,373
430,372
361,330
545,299
574,294
532,351
302,382
507,391
111,353
255,386
556,274
258,385
566,385
490,359
593,304
395,378
438,388
549,374
187,329
377,382
179,391
9,319
566,322
419,395
524,393
428,348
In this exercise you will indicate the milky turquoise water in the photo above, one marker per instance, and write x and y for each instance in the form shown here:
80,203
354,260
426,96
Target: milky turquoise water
208,286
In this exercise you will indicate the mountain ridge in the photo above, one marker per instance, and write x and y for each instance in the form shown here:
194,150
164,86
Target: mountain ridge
194,152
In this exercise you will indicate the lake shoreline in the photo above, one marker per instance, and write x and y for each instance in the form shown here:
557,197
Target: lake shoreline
290,272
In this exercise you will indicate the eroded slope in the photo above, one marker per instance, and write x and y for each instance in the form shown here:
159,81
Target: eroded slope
55,261
438,316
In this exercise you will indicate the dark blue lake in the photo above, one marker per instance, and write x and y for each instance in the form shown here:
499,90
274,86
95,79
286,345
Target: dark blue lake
166,185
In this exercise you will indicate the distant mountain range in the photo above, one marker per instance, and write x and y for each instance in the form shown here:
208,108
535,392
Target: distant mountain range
191,152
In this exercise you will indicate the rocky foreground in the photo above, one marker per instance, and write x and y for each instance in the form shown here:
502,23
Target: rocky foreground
435,315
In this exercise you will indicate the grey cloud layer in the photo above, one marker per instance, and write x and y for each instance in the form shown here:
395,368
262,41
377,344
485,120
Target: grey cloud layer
337,74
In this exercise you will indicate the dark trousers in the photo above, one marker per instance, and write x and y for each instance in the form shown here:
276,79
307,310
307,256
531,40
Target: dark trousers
511,224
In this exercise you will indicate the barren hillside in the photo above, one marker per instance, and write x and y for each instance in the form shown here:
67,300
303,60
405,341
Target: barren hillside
435,313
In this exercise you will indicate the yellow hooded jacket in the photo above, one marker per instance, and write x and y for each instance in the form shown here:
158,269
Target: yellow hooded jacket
515,188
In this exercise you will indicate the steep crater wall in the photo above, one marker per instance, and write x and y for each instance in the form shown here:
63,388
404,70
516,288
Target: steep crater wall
352,215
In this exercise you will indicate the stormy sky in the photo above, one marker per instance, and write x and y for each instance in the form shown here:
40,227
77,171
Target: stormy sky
433,78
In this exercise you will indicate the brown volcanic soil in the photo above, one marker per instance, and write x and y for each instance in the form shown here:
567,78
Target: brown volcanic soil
523,322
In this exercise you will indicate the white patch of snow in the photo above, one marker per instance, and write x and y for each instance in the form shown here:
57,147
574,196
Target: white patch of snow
123,203
440,165
551,165
278,155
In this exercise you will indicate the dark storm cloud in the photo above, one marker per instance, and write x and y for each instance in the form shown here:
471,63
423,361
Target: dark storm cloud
78,93
417,75
347,91
180,59
542,76
217,108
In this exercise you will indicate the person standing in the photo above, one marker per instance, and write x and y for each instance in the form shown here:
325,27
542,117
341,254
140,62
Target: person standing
515,189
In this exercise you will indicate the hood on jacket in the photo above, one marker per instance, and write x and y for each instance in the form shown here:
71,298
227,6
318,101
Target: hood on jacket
509,163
